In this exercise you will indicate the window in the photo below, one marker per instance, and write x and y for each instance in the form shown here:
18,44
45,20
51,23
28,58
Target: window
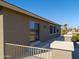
34,28
57,30
32,25
51,29
54,29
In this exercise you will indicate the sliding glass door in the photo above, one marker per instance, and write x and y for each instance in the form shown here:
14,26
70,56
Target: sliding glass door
37,31
34,30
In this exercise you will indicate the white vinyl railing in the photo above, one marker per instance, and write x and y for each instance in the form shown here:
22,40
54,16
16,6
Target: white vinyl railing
14,51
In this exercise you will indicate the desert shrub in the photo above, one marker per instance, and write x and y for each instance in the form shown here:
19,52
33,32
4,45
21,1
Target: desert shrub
63,31
75,37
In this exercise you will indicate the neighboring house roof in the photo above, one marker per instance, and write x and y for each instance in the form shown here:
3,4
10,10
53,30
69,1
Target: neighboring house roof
18,9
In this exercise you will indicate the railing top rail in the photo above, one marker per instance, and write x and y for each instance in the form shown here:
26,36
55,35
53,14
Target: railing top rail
60,49
26,46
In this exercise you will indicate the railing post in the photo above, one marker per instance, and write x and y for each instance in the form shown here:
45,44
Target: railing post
26,52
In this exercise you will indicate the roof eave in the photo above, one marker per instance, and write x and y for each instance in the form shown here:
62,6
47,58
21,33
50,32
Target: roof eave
18,9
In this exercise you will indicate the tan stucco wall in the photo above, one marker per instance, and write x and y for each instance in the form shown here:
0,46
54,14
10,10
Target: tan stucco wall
15,27
1,37
44,32
45,29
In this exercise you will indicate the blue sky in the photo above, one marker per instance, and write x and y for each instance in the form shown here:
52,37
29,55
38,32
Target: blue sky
60,11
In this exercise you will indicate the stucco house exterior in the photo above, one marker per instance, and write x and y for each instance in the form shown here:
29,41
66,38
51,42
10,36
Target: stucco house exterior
20,26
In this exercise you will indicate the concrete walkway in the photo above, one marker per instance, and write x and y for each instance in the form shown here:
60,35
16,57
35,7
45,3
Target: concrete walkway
61,38
46,44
